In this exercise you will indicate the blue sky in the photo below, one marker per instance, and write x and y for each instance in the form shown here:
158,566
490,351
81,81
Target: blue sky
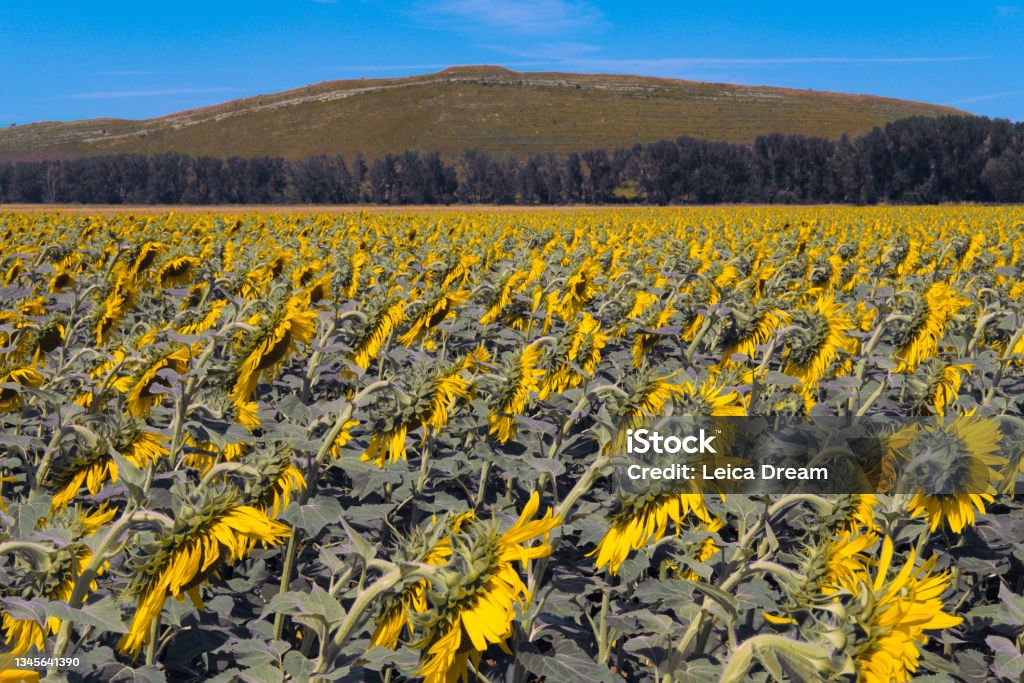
66,60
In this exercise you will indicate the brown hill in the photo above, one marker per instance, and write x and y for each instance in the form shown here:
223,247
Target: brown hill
484,107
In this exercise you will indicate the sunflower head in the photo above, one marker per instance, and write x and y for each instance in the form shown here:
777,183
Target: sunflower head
192,518
177,270
950,457
276,480
935,385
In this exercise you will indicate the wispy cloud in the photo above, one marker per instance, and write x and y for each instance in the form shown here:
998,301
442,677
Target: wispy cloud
1007,10
122,94
525,17
990,96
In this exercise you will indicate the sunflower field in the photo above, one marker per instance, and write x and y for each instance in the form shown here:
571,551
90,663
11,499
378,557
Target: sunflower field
381,446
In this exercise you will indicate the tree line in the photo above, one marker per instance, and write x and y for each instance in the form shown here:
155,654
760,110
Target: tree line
917,160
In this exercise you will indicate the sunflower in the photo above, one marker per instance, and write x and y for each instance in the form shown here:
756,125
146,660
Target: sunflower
112,305
838,563
57,581
141,398
820,336
522,378
344,436
895,615
960,462
747,327
376,331
61,282
432,313
855,513
99,371
502,295
22,375
707,547
709,399
428,407
143,256
207,534
478,604
918,339
647,399
579,290
936,385
92,467
578,349
397,614
271,491
203,318
278,335
637,521
386,445
177,271
644,342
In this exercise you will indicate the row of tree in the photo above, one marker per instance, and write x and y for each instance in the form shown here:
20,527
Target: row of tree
917,160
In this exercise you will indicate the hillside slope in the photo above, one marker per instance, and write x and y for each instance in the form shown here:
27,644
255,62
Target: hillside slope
482,107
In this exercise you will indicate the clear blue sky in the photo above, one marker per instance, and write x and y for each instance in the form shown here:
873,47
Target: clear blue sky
67,60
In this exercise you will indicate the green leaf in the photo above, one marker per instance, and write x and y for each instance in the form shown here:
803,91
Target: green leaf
145,674
264,673
718,595
1009,662
103,614
568,663
313,517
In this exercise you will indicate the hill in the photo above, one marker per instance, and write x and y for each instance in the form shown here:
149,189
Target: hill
483,107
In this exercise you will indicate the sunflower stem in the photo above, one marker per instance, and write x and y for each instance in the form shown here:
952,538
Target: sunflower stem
366,596
312,477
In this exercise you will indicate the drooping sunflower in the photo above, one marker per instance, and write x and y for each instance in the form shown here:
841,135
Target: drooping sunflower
837,563
278,478
521,379
92,466
207,534
706,549
749,325
177,271
203,317
278,335
57,581
20,374
575,358
646,400
112,305
954,469
709,399
375,332
422,547
896,613
644,342
141,396
854,513
821,335
936,385
428,406
639,520
344,436
433,311
501,296
478,605
580,289
930,314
